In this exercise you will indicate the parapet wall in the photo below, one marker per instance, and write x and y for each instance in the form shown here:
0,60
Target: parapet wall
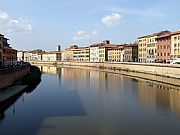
165,70
7,78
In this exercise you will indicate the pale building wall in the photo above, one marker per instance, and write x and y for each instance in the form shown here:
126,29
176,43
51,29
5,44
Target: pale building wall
94,54
20,56
142,49
175,46
51,57
27,56
151,49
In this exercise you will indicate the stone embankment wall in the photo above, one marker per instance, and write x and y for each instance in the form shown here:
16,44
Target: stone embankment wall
165,70
9,76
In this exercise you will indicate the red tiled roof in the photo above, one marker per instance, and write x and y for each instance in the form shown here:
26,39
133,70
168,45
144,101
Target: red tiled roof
176,32
131,45
156,34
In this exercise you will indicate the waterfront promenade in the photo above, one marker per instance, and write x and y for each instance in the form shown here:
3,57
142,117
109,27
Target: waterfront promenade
165,73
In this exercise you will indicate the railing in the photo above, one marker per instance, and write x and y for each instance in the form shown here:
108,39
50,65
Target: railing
13,68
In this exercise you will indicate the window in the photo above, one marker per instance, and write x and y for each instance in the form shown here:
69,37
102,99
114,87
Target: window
175,45
175,38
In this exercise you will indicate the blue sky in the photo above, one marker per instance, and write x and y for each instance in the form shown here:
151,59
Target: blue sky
42,24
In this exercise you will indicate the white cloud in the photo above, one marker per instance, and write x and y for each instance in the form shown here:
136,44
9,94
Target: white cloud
112,20
10,25
147,12
82,35
95,33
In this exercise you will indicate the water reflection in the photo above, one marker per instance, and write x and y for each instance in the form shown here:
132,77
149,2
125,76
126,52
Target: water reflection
11,101
161,97
76,100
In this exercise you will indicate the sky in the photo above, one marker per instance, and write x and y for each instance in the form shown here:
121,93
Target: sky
43,24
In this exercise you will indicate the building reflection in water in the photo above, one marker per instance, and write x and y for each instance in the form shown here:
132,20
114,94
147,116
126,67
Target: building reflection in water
161,97
86,78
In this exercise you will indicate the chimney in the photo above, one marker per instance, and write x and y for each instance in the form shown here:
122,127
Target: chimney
106,42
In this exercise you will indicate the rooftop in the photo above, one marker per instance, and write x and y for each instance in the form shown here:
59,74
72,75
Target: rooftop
155,34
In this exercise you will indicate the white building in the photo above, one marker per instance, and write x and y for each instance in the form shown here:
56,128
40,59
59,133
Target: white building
20,56
51,56
94,53
27,56
36,56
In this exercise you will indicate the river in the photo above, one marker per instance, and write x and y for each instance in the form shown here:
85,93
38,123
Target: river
75,101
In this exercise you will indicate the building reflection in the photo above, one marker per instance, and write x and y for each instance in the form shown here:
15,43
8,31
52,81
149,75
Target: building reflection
161,97
86,78
48,69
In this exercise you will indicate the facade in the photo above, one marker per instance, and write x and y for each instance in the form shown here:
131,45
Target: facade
1,50
142,49
103,56
68,54
37,55
175,45
51,56
20,55
147,47
27,56
75,53
94,52
116,53
81,54
151,48
102,52
164,48
9,56
131,53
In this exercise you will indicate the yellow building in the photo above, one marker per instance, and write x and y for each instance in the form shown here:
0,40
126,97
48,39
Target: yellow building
75,53
81,54
67,55
51,56
142,49
102,54
151,49
116,53
110,51
147,47
175,45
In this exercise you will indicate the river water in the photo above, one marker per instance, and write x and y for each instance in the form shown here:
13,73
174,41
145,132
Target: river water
74,101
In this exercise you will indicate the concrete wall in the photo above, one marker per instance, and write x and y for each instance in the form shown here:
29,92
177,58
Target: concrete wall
165,70
8,78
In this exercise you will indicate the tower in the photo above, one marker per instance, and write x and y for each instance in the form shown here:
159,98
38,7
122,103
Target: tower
58,48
